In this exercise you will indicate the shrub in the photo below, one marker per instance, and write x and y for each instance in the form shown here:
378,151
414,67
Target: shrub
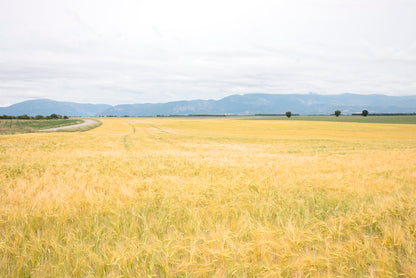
23,117
55,116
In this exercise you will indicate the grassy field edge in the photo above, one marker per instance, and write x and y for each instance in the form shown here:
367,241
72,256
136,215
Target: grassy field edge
16,126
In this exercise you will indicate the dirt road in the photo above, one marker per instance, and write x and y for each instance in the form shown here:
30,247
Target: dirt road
86,122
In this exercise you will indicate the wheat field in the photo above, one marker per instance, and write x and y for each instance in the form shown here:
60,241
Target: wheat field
151,197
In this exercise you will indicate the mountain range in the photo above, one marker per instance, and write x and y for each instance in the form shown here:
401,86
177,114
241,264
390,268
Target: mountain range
46,107
303,104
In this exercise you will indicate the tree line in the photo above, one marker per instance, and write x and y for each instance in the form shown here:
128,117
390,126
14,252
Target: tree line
364,113
37,117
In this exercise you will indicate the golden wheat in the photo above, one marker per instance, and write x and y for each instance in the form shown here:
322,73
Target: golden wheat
202,197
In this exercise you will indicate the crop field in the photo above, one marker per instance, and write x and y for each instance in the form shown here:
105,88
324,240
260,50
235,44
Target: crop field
169,197
26,126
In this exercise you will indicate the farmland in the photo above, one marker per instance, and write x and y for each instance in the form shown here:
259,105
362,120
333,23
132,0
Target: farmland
210,197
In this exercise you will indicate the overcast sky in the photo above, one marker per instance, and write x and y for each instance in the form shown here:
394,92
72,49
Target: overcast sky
134,51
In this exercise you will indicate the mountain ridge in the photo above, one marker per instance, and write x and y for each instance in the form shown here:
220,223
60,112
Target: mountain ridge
46,106
247,104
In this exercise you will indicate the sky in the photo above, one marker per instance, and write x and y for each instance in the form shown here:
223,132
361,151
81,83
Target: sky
138,51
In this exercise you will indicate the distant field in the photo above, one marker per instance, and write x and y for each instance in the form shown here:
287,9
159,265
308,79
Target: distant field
173,197
352,119
27,126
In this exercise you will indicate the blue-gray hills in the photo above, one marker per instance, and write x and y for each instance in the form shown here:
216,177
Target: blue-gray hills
249,104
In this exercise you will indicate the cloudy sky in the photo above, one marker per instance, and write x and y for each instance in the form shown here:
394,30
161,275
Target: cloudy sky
135,51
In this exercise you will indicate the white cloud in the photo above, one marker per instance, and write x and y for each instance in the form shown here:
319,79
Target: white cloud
156,51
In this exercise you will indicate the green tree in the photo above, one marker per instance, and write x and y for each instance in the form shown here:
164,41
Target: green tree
364,113
337,113
23,117
288,114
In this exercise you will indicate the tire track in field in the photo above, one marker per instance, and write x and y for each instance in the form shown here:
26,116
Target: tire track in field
126,139
157,134
149,131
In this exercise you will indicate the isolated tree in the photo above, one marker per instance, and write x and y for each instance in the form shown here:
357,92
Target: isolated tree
337,113
66,117
288,114
364,113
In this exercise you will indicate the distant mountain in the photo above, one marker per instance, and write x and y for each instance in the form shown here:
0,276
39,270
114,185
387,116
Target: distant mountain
309,104
46,107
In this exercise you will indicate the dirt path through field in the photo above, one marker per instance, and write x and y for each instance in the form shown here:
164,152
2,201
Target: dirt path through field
86,122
